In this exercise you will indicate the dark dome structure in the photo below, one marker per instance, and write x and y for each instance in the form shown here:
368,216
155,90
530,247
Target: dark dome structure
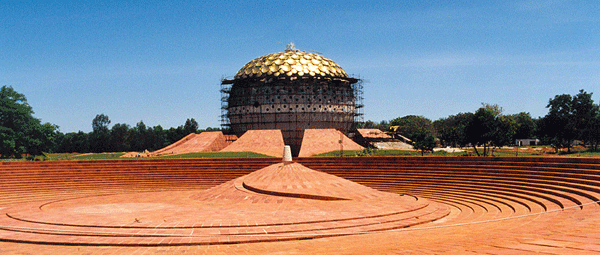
291,91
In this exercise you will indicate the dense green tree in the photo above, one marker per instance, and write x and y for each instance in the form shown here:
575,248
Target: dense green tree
593,133
119,137
100,136
159,138
558,127
585,116
451,130
505,127
190,126
20,132
480,131
525,125
423,141
139,137
489,128
410,126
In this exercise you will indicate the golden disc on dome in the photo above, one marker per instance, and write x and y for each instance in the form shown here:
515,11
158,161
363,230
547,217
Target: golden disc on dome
303,61
294,70
301,73
264,69
295,56
282,56
255,69
312,68
290,61
277,73
268,62
285,68
273,68
289,73
324,69
312,73
315,61
247,71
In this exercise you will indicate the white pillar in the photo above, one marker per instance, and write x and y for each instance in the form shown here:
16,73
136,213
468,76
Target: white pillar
287,154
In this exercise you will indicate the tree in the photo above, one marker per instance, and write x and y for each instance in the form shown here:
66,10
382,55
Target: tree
139,137
525,125
20,132
451,130
480,131
504,131
100,136
119,137
593,133
410,125
159,138
423,141
558,126
489,128
190,126
585,114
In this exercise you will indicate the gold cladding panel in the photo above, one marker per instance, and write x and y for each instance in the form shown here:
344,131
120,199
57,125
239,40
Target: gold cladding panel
291,63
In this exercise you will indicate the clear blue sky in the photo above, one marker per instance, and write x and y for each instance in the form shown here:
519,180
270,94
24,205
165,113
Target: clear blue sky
162,61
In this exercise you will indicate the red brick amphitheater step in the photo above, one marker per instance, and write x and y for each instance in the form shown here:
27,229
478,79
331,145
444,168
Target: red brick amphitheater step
276,203
403,205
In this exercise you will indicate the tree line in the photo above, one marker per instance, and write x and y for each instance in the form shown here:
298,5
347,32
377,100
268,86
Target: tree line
21,133
122,137
569,119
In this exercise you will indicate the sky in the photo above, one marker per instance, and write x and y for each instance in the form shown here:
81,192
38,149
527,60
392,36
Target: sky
161,62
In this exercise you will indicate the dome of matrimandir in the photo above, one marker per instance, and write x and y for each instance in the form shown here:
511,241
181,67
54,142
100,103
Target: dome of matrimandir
290,91
291,63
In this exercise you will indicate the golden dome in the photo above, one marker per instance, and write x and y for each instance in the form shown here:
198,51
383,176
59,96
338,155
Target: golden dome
291,63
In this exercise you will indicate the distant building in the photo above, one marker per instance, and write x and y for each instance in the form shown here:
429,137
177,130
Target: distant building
527,142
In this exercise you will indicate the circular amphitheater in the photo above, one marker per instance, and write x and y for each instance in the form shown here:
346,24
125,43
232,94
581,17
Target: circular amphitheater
394,205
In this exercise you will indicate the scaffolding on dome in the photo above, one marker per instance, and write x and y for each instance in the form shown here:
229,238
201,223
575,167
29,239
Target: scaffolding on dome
291,104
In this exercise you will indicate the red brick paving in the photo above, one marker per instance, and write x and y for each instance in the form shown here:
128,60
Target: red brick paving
317,141
267,142
482,221
289,207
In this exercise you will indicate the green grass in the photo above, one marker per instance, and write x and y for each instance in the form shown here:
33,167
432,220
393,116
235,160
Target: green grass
218,155
117,156
380,153
358,153
87,156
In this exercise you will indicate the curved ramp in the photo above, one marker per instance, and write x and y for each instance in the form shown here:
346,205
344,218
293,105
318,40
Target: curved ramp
268,142
203,142
317,141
